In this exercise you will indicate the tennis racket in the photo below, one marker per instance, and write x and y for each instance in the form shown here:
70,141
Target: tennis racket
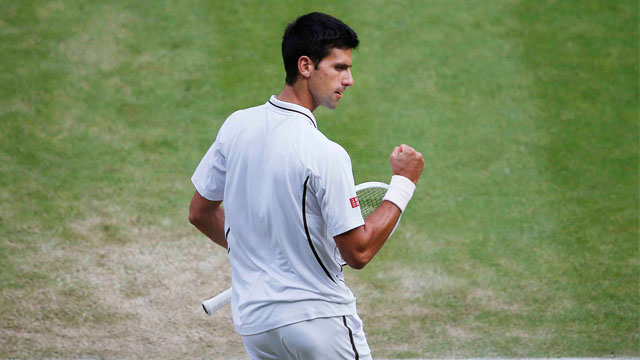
370,196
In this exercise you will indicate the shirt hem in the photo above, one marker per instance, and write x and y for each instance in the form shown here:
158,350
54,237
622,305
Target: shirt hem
347,309
347,227
206,194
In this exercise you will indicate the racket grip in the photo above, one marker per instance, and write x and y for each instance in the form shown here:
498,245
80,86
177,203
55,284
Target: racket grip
212,305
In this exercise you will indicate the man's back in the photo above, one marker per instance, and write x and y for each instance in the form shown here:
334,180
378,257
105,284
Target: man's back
280,221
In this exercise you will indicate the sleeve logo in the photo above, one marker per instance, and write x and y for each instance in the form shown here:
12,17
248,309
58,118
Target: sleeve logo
354,202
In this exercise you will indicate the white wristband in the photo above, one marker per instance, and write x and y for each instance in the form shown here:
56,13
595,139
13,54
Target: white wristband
400,191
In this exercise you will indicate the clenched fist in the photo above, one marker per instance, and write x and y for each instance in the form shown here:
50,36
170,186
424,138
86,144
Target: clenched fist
406,161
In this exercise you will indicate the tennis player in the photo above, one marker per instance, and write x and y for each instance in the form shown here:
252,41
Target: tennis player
291,217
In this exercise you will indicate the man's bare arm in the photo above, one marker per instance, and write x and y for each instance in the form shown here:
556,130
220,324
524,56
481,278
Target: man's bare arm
358,246
208,217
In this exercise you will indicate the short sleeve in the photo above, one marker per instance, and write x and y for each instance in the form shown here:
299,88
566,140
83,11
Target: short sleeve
210,175
336,193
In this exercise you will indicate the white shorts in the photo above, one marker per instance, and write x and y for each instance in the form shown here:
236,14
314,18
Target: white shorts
340,337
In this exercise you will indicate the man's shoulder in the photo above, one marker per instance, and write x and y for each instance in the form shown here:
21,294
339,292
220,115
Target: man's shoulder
316,150
239,119
247,113
315,139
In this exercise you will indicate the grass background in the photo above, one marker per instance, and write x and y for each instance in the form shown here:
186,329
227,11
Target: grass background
521,240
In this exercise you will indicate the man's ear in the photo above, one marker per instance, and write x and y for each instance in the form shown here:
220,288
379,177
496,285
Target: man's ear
305,66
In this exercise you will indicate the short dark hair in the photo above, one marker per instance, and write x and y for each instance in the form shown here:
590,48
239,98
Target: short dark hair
314,35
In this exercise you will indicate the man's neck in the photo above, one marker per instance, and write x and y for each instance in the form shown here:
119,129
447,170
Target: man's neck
298,94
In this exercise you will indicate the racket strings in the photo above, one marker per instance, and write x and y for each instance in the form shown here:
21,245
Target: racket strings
370,199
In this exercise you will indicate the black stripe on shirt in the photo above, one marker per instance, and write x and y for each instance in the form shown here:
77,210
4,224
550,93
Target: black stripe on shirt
226,237
306,229
299,112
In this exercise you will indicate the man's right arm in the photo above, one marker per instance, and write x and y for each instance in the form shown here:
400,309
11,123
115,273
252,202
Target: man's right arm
358,246
208,217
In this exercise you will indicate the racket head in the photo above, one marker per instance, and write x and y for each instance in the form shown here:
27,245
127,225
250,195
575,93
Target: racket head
370,195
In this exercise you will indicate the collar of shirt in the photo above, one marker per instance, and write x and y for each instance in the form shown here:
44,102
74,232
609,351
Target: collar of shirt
287,106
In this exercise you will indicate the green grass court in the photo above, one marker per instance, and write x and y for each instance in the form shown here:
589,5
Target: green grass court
522,239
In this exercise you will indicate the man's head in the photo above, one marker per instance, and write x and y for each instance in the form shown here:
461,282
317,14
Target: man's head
317,48
314,35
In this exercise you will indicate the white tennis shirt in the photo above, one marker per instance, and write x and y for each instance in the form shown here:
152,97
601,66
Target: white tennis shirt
287,191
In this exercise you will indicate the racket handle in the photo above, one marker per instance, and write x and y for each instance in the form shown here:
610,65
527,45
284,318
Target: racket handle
215,303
